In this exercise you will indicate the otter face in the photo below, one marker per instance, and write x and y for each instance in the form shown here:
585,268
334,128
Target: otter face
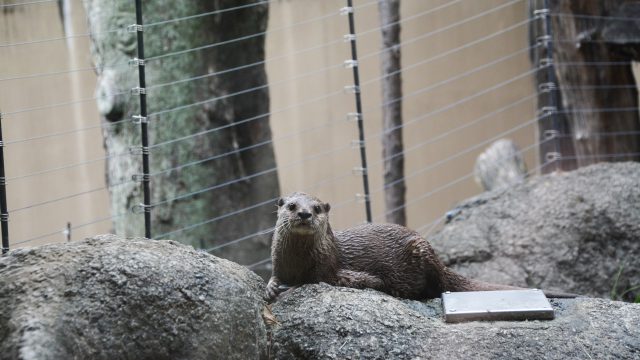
302,214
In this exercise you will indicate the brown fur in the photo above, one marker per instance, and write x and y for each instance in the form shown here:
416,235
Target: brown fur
386,257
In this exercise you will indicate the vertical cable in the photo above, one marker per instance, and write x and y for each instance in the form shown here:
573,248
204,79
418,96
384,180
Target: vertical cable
141,91
4,214
358,115
550,111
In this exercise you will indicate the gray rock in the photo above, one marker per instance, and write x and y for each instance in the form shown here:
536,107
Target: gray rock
500,165
577,232
111,298
324,322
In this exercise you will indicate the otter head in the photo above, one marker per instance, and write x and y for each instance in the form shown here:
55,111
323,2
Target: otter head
302,214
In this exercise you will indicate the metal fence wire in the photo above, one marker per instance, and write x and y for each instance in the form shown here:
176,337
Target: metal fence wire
472,72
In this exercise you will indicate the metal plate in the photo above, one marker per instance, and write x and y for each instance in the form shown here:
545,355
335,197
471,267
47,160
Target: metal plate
496,305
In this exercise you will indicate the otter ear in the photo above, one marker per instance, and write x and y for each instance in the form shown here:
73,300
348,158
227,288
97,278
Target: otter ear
279,202
327,207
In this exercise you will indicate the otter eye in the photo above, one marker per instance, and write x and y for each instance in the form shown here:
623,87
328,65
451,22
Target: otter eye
291,206
317,209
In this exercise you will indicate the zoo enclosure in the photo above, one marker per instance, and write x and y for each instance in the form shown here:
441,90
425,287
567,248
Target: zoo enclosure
468,80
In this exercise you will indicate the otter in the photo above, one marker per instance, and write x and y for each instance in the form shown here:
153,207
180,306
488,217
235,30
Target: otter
386,257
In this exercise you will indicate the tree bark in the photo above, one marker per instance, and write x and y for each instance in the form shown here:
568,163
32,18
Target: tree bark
225,163
597,86
392,146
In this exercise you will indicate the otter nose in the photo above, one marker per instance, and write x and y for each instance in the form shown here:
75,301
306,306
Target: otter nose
304,215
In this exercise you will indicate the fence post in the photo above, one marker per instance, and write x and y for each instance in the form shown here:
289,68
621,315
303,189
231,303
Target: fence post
549,86
4,213
353,63
142,118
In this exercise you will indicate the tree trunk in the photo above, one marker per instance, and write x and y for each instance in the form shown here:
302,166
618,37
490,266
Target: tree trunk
596,82
392,146
212,170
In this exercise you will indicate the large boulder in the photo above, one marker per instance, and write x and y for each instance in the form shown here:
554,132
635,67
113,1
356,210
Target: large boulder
325,322
114,298
577,232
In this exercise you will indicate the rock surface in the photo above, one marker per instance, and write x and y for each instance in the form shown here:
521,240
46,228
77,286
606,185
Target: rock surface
577,232
111,298
324,322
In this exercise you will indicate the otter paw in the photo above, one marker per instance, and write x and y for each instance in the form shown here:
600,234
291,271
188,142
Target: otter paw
273,290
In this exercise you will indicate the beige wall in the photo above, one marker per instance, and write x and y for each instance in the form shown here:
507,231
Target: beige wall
312,137
28,23
329,175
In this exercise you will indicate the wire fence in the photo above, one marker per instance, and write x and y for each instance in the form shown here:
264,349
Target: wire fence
473,73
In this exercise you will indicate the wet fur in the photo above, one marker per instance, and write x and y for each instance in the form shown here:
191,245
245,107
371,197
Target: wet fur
386,257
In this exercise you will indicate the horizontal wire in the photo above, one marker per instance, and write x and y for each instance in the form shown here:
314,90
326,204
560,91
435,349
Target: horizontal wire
432,113
208,131
58,232
60,72
103,125
239,211
597,87
279,56
463,152
333,42
238,240
409,18
593,63
451,183
262,232
249,147
603,134
579,42
597,110
451,131
458,102
251,36
71,196
238,93
253,118
45,107
531,172
209,13
246,66
449,52
62,104
309,73
68,166
26,3
59,38
453,25
263,261
116,65
248,177
610,155
217,218
248,90
432,225
601,17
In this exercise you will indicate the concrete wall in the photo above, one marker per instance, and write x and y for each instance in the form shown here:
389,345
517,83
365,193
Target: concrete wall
312,137
428,170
